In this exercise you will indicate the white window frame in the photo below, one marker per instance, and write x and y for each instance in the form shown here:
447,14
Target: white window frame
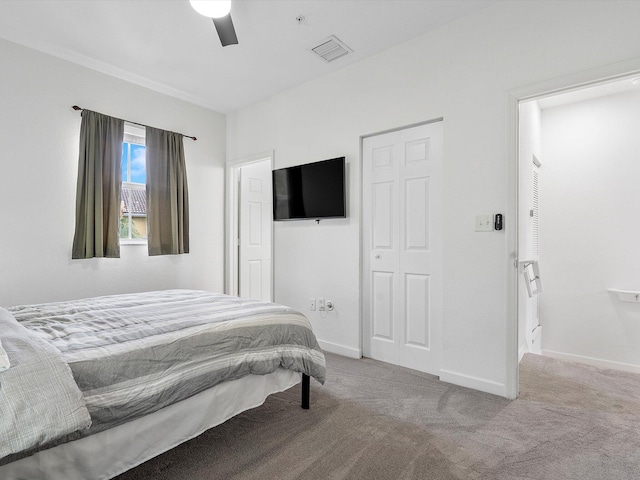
133,134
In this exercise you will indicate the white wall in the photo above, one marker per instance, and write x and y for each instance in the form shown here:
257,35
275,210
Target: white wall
39,138
590,229
462,72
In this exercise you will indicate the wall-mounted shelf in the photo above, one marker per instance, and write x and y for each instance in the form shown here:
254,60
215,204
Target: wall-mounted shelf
626,295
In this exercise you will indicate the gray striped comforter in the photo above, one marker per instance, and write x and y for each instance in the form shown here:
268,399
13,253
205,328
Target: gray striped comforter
134,354
39,400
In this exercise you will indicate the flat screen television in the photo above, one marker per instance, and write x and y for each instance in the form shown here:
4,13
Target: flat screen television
310,191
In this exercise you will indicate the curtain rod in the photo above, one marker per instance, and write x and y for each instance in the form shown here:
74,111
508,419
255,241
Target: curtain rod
76,107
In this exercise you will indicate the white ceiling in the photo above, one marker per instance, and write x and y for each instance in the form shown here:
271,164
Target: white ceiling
165,45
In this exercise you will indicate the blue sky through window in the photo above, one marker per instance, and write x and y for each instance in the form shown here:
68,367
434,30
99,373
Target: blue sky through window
133,163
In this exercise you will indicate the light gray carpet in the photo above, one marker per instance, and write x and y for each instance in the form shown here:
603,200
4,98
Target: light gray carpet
377,421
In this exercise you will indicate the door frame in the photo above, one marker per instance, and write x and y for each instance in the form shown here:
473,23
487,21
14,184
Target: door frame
361,228
577,81
232,225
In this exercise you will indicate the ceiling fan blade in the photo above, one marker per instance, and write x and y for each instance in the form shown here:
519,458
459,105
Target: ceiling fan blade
226,32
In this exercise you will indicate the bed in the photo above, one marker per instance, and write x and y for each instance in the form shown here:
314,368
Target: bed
97,386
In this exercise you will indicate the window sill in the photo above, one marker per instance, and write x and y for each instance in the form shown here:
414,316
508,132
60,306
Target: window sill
133,241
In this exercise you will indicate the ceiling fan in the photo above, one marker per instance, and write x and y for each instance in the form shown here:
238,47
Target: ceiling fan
220,12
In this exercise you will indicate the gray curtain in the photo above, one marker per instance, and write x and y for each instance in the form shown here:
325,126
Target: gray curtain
99,185
167,193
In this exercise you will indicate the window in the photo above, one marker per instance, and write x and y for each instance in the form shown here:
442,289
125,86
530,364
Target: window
133,218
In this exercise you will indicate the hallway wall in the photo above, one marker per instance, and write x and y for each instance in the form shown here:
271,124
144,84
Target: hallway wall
590,230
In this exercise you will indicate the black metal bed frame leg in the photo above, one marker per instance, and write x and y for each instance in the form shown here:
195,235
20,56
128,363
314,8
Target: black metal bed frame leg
306,387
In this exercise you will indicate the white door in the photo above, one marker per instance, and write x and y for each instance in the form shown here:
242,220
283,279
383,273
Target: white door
402,247
255,231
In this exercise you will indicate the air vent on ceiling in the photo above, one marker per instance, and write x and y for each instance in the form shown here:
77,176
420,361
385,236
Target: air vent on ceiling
330,49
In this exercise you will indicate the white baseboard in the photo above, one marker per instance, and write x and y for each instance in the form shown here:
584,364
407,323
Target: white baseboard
594,362
475,383
448,376
340,349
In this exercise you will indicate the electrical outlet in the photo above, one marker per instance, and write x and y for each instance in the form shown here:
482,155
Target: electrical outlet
312,304
321,305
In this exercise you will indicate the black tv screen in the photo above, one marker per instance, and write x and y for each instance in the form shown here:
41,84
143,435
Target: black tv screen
310,191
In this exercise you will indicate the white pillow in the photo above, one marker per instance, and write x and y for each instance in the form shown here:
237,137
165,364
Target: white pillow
4,359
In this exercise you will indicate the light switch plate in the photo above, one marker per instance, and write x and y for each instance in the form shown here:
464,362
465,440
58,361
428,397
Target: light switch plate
484,223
